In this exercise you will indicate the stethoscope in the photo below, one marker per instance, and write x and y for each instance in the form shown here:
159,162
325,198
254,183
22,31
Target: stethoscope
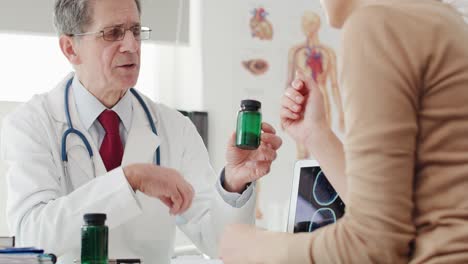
72,130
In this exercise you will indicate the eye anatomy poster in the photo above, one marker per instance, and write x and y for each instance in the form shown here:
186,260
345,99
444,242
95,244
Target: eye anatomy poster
256,66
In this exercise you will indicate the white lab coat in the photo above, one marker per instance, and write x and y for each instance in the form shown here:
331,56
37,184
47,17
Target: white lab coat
45,211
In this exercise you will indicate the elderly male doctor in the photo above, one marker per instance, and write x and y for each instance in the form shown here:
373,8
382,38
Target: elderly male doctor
49,190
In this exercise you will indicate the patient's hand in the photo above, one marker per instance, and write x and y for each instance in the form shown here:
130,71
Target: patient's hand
302,112
248,245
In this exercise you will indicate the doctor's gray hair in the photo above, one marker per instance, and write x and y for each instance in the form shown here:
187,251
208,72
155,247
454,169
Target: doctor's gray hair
72,16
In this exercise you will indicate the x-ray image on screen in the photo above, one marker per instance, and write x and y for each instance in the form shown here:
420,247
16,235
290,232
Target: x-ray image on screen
318,204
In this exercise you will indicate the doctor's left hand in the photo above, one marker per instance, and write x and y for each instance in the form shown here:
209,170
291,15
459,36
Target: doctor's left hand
246,166
166,184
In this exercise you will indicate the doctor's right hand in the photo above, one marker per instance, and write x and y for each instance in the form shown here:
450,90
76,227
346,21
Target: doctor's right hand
166,184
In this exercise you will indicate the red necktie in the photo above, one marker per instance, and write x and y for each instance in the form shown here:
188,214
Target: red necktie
111,148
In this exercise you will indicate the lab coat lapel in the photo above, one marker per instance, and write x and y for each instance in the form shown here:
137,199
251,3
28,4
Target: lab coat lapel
78,158
74,141
141,142
140,146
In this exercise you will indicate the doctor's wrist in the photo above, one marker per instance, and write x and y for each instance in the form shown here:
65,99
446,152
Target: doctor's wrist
231,186
132,177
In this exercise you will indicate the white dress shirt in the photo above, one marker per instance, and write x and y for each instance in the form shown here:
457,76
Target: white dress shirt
89,108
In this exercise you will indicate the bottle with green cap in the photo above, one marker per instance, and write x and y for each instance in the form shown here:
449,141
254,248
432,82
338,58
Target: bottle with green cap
249,125
94,239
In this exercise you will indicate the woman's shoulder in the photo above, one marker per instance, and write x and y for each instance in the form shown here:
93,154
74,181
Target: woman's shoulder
404,16
404,28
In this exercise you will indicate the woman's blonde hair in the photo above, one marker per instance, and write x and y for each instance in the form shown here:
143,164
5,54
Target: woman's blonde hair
460,5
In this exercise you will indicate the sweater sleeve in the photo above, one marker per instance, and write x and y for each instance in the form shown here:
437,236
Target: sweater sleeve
380,92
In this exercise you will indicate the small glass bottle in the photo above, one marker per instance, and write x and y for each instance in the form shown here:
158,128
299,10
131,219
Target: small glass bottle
249,125
94,239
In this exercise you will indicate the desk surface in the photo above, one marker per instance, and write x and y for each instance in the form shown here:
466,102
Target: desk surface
194,260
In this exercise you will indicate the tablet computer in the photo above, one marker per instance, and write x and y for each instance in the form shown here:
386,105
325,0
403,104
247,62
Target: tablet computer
314,202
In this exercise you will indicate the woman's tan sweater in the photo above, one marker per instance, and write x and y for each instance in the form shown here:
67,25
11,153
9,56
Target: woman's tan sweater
405,93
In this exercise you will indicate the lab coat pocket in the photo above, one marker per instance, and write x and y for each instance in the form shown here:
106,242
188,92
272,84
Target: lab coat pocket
155,223
80,166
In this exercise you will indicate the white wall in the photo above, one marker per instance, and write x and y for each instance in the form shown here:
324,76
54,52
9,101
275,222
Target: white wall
180,68
225,41
26,74
5,108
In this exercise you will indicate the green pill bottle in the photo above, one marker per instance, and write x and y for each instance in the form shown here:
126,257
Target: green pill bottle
249,125
94,239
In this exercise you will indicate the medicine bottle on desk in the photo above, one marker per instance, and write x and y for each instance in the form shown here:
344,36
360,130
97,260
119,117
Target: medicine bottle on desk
94,239
249,125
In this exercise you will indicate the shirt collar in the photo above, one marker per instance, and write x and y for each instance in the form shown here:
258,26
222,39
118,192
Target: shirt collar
89,107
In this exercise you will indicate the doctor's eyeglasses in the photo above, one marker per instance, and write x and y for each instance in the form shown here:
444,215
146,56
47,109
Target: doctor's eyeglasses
116,33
